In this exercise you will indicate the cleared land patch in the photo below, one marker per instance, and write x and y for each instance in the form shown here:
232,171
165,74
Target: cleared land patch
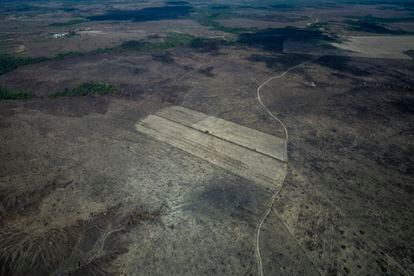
249,153
389,47
244,136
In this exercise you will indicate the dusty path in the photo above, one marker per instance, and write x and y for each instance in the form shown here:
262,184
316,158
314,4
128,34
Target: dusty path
276,193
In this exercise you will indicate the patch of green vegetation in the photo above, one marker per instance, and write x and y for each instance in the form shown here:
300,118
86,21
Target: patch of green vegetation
68,23
86,89
172,41
176,40
209,44
13,94
73,54
68,55
209,19
208,22
9,63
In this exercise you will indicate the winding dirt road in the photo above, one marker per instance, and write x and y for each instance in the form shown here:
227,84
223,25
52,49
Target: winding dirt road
277,192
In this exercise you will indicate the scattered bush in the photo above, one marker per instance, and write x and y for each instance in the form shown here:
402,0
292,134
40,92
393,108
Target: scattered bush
209,20
9,63
68,23
86,89
171,41
13,94
176,40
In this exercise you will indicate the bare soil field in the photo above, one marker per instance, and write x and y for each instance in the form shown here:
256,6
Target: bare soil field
214,140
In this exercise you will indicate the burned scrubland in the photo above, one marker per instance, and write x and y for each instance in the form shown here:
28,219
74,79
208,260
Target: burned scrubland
83,191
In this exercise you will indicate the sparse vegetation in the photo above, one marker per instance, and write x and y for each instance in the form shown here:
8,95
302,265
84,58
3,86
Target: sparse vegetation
69,23
171,41
13,94
209,19
9,63
86,89
176,40
208,44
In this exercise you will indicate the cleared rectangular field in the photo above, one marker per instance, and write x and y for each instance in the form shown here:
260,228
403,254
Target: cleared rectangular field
389,47
181,115
243,136
264,170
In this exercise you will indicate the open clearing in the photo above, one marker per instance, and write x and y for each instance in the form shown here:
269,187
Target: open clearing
225,144
389,47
